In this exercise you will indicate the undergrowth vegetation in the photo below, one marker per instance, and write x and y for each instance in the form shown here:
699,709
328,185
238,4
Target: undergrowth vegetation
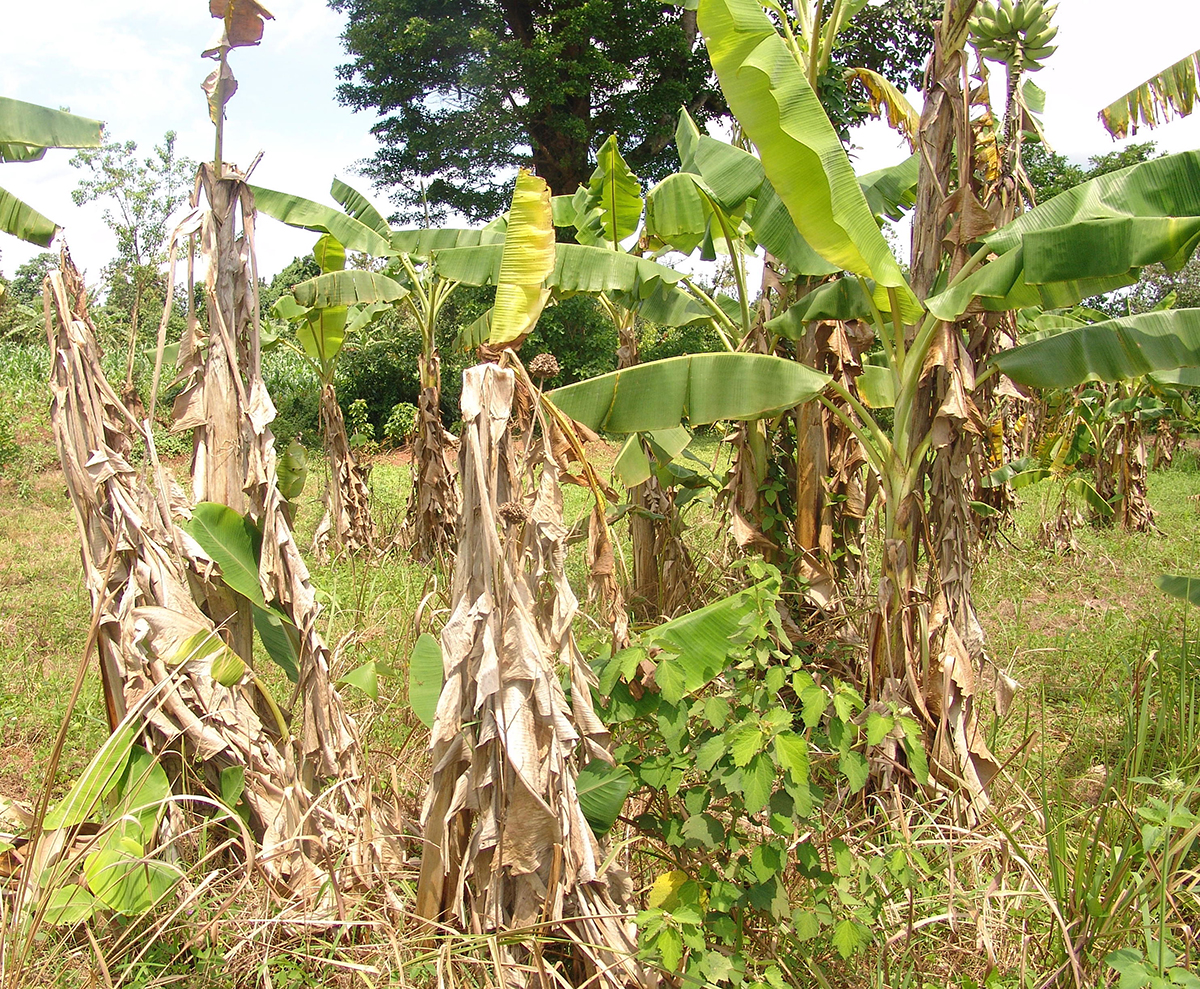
759,854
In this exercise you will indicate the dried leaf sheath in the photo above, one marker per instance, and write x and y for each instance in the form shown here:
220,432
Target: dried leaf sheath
506,842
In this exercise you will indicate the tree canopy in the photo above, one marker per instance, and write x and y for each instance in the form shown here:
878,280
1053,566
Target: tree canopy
469,90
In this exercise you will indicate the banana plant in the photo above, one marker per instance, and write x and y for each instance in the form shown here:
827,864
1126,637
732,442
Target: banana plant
326,311
1095,236
26,132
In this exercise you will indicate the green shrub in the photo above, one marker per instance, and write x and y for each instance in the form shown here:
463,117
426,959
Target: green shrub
402,423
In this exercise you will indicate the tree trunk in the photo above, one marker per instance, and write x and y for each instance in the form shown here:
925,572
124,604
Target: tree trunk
346,525
435,502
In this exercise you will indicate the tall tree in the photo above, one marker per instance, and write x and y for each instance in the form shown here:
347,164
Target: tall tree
469,90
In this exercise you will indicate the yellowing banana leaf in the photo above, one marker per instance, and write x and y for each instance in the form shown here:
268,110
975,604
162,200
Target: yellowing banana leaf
30,125
526,261
422,243
1090,239
24,222
297,211
700,389
357,205
1115,350
1169,94
615,193
677,216
885,100
800,150
348,288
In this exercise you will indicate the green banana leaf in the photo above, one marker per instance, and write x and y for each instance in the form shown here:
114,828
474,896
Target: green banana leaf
1090,239
677,216
422,243
841,299
1170,93
700,388
26,131
24,222
297,211
322,333
27,125
1180,377
800,150
1184,588
357,205
602,790
348,288
526,261
892,191
614,194
1114,350
877,386
329,254
644,286
425,678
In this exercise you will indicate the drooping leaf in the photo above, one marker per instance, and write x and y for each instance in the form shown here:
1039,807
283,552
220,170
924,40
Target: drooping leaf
877,386
348,288
602,790
800,151
144,791
840,299
297,211
526,261
228,668
359,207
893,190
886,101
425,678
40,127
102,774
700,388
423,243
24,222
244,21
1090,239
1162,97
1184,588
1113,350
280,638
233,542
632,465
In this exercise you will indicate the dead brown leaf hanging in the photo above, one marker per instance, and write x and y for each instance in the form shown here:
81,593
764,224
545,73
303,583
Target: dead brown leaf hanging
507,846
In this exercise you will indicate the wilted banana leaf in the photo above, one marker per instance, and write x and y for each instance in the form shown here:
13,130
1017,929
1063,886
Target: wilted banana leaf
885,99
1169,94
297,211
1114,350
700,388
801,153
348,288
526,261
1090,239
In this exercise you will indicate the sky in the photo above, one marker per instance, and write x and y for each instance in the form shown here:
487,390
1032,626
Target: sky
135,65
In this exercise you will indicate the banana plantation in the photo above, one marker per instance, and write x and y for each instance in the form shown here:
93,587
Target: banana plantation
697,670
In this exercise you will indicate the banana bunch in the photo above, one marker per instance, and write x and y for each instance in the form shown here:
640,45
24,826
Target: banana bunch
1018,34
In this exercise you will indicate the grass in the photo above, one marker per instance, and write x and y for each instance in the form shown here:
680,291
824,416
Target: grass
1088,636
